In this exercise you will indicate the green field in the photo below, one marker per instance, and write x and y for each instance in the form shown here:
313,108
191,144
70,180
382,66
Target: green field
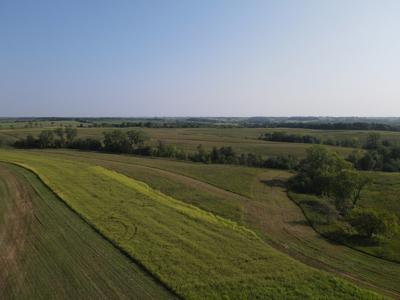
47,251
195,253
255,198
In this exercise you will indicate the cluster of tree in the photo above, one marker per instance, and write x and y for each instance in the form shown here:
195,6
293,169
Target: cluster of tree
381,155
56,138
118,141
370,222
226,155
326,174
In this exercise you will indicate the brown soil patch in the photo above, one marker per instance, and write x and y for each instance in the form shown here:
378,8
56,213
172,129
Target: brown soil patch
18,218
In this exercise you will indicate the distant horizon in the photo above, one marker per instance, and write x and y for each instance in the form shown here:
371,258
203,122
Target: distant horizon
200,116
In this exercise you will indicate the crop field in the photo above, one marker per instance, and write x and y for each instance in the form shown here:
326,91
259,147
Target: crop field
47,251
196,253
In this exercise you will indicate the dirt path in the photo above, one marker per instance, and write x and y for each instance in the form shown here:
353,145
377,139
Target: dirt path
17,224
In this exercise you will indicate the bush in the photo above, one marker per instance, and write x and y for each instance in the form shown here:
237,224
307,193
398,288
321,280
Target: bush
369,222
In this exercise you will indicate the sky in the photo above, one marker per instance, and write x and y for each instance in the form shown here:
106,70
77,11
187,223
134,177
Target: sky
199,58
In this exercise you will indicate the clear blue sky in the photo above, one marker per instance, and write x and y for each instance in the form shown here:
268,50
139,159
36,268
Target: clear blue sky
199,58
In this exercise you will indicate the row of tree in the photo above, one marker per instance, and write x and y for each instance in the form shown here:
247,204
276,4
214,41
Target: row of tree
134,142
381,155
326,125
281,136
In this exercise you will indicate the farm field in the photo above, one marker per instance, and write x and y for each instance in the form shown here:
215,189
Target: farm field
47,251
242,140
171,238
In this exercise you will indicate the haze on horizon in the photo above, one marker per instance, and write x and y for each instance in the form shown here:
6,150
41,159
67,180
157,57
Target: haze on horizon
199,58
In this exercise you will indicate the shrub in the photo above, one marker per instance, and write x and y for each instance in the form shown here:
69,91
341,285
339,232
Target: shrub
369,222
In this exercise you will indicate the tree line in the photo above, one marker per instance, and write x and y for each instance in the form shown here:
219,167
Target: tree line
326,126
380,155
281,136
135,142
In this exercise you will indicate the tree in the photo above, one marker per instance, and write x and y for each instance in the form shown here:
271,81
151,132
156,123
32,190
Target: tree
46,139
60,133
369,222
71,134
116,141
346,189
318,171
373,141
136,138
324,173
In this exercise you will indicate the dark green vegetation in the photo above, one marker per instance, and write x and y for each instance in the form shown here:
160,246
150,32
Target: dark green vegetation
337,209
47,251
197,254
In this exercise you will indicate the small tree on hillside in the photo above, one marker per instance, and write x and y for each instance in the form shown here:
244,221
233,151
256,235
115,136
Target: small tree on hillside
369,222
325,173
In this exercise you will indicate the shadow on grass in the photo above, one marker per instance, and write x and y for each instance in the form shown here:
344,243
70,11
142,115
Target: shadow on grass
275,183
300,222
352,240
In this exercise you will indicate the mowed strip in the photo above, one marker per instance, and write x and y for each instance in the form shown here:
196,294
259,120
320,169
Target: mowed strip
266,209
197,254
48,252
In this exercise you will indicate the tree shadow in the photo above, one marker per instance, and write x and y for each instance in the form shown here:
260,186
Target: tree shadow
351,239
300,222
275,183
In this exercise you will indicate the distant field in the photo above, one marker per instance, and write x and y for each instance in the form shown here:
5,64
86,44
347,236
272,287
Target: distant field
48,252
255,200
197,254
242,140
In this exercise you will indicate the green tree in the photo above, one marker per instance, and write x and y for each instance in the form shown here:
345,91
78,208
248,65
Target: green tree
373,141
60,133
346,189
116,141
136,138
325,173
369,222
318,171
71,134
46,139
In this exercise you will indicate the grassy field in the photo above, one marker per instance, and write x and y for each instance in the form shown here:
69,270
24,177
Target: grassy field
197,254
254,198
48,252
